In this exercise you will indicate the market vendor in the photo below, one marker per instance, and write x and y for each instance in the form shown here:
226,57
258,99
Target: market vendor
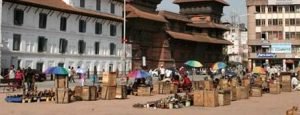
187,84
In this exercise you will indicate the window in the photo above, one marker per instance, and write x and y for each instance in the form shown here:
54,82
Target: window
98,28
42,44
16,42
270,9
97,47
274,9
298,22
63,23
280,22
292,8
39,66
82,3
63,45
43,20
263,9
81,46
18,17
287,22
98,5
287,9
263,22
82,26
112,8
275,22
279,9
112,49
270,22
257,9
113,30
258,22
60,64
292,22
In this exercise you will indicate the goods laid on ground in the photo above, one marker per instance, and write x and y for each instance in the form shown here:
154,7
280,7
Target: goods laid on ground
108,92
121,92
274,88
35,96
224,97
256,92
144,91
171,102
293,111
198,98
211,98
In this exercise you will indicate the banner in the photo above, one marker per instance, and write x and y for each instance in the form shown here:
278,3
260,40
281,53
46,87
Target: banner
283,2
281,48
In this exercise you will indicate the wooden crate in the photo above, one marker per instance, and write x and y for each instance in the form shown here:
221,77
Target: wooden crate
77,93
198,98
256,92
94,93
164,88
246,82
62,95
258,82
143,91
211,98
286,78
155,89
274,88
242,93
109,78
61,82
233,94
293,111
234,83
196,85
174,88
224,97
223,84
108,92
121,92
86,93
286,87
208,85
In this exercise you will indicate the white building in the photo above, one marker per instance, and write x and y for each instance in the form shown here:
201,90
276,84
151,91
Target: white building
44,33
238,36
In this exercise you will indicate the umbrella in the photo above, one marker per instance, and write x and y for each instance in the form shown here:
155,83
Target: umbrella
80,70
139,74
259,70
218,65
193,63
57,70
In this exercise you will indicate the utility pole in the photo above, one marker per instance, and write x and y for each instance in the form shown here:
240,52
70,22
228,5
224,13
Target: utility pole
123,57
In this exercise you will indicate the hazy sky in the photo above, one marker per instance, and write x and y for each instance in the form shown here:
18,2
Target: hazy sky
236,6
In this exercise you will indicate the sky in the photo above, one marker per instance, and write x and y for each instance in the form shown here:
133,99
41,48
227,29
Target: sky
236,7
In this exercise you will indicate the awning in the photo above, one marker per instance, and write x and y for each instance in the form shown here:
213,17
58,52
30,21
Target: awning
197,38
134,12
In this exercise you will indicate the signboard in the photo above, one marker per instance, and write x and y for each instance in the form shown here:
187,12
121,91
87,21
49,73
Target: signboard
281,48
283,2
266,55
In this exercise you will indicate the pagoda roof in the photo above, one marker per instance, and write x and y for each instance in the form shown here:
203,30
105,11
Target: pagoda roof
201,38
208,25
59,5
174,16
134,12
189,1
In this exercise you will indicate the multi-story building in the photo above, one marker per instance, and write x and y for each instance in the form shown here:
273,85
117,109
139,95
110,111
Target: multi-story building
238,36
274,33
44,33
168,38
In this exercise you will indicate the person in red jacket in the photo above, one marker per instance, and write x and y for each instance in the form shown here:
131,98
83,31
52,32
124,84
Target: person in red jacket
187,83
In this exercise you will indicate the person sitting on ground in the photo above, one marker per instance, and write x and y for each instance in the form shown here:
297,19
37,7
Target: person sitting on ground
187,84
295,82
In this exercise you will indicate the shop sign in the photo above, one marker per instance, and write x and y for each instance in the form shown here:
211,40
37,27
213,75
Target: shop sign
283,2
281,48
288,55
266,55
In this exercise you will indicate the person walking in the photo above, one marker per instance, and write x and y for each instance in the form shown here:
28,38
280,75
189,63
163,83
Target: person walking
19,77
29,78
162,72
73,73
